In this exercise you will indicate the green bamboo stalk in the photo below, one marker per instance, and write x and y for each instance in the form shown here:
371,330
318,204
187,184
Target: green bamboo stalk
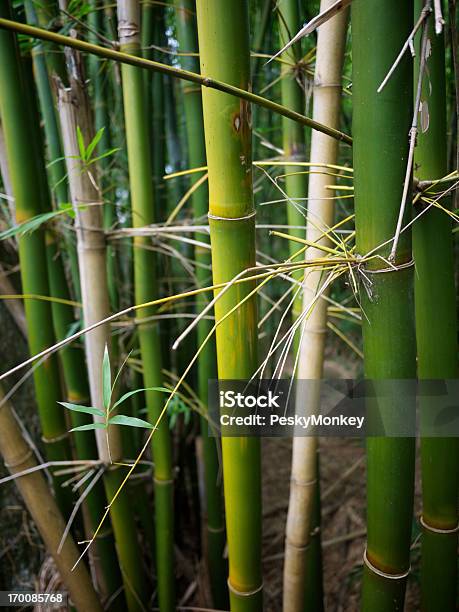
23,160
40,50
293,137
48,62
378,33
39,501
232,227
153,33
75,113
72,357
207,364
436,333
205,81
142,203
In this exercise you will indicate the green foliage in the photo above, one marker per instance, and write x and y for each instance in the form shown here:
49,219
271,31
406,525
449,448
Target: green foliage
107,392
34,223
177,407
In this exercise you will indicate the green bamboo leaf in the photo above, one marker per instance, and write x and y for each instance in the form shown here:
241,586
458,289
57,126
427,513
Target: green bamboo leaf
31,224
94,142
124,397
86,409
106,379
81,146
89,427
122,419
103,155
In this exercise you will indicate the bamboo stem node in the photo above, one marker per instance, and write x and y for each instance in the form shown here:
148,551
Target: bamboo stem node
437,529
244,218
19,461
391,268
244,593
55,439
163,482
215,529
127,29
379,572
297,547
303,483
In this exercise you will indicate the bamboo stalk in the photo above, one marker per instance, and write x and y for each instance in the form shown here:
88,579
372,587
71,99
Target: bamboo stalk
23,160
43,54
71,358
304,477
232,227
75,115
207,364
293,134
205,81
101,95
142,203
378,33
436,334
18,456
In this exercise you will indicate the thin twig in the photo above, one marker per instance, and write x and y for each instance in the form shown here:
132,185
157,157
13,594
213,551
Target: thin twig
439,21
77,506
413,136
312,25
408,45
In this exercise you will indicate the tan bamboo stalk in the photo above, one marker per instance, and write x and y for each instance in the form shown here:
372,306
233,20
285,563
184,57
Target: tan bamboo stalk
75,116
87,201
18,457
326,100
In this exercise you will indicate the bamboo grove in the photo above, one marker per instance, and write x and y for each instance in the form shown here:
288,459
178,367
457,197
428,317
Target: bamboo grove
199,193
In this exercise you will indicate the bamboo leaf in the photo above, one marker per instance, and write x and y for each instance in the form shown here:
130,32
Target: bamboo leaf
94,142
86,409
32,224
89,427
124,397
103,155
106,380
122,419
81,146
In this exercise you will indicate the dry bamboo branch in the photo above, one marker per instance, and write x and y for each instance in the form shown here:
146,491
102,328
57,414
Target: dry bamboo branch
173,71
